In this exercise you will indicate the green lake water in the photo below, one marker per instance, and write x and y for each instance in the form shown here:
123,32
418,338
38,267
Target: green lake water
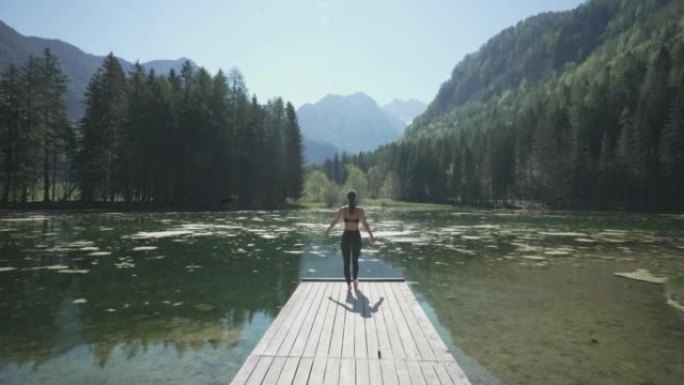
180,298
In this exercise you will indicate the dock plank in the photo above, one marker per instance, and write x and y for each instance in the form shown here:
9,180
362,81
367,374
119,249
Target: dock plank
317,326
438,346
325,335
395,342
288,372
299,327
284,313
336,338
292,323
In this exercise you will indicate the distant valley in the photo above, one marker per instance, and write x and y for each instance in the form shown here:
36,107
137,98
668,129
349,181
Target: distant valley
352,123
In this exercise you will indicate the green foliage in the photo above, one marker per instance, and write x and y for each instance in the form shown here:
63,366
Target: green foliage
573,109
191,139
357,180
36,137
333,195
316,185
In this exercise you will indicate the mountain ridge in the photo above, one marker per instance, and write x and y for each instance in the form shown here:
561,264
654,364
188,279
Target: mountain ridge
351,123
78,65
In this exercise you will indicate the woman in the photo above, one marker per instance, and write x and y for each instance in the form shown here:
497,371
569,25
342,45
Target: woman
351,238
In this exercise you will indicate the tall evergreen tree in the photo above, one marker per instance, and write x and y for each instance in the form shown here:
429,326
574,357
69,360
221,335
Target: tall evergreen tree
101,150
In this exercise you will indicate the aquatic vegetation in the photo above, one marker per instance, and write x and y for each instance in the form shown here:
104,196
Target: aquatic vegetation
145,248
643,275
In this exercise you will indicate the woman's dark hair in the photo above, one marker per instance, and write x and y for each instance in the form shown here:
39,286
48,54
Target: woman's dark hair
351,199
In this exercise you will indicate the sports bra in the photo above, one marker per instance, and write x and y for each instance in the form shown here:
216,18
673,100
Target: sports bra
346,219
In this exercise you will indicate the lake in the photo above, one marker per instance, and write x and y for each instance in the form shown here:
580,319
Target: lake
179,298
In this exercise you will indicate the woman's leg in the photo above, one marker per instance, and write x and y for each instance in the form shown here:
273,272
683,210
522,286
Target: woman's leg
346,253
356,252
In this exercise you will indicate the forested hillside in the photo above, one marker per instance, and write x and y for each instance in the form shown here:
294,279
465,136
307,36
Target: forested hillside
577,109
185,139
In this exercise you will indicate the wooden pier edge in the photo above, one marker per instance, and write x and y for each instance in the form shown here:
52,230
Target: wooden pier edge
324,279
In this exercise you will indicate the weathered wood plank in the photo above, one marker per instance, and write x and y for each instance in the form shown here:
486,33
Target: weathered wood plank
274,370
323,346
456,373
299,327
289,307
442,374
374,372
247,367
332,372
402,372
260,370
347,371
303,371
405,335
337,335
439,348
325,307
287,374
415,373
389,372
428,370
384,348
317,370
369,324
312,337
362,372
348,335
391,327
290,326
360,333
404,307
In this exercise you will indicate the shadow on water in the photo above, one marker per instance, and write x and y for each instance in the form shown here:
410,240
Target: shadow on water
359,304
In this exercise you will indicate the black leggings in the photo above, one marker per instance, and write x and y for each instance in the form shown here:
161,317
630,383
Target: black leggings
351,248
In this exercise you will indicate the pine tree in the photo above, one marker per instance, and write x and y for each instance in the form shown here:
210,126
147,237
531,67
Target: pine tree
101,148
293,153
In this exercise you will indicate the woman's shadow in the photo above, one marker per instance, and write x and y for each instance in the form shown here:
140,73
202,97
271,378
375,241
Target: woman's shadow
359,304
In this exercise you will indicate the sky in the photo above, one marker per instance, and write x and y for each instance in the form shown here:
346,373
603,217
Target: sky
298,49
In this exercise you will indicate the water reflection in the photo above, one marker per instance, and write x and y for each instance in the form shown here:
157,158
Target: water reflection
183,297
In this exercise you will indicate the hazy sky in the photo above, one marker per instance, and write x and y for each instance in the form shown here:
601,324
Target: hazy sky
297,49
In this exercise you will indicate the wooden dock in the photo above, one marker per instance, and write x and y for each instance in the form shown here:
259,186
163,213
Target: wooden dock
377,334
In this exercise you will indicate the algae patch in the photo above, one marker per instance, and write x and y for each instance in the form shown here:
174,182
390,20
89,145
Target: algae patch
644,276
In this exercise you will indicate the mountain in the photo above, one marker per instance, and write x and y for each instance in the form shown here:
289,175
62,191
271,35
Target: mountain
77,65
351,123
316,152
576,109
599,34
405,110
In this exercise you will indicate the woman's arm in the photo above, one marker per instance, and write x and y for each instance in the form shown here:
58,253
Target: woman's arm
365,225
334,222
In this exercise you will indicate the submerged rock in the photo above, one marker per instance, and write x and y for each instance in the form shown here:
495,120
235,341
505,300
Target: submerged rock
643,275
